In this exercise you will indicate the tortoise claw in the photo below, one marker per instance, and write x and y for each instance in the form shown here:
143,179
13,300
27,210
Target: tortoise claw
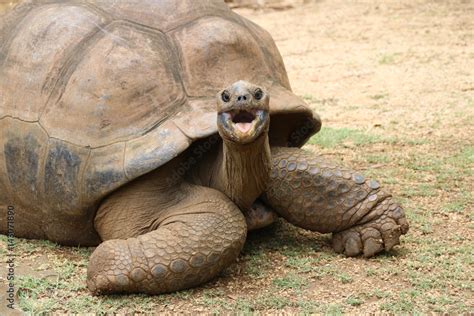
372,237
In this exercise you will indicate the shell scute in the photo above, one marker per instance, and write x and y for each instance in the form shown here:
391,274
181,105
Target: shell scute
154,149
24,146
215,52
104,172
126,84
32,57
63,169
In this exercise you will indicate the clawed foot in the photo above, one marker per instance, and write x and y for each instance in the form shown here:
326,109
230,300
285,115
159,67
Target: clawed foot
375,234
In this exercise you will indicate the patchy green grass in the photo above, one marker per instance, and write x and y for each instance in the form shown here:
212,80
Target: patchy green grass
377,159
354,301
333,309
290,281
402,304
30,292
460,203
333,137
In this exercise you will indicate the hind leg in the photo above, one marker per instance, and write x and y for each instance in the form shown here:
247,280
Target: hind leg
315,194
157,242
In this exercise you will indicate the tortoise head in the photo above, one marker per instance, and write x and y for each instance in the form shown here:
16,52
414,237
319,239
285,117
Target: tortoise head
243,112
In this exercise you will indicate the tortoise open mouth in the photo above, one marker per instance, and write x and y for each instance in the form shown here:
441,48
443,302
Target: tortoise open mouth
243,120
244,125
243,116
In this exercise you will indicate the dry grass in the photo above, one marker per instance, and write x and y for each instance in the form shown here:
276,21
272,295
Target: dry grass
393,82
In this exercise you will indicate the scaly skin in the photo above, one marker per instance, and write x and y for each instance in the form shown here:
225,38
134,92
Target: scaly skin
313,193
195,239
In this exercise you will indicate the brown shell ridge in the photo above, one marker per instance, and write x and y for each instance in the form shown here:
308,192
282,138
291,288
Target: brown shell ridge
101,146
184,132
29,122
207,13
56,138
91,147
18,118
97,10
59,139
170,116
229,17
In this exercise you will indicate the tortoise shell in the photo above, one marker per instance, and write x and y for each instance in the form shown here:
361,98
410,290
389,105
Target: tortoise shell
94,94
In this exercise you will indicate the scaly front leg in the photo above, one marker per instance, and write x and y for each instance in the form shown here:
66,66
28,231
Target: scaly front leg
152,250
313,193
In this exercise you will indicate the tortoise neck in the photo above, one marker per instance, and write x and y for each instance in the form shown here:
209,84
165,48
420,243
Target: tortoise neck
243,170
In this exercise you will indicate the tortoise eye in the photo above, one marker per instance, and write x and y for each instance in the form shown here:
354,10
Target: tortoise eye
225,96
258,94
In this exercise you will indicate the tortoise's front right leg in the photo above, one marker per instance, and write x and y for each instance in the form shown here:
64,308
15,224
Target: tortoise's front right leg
315,194
189,243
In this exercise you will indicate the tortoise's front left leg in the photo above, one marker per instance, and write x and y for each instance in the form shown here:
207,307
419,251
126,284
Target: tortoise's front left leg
154,247
315,194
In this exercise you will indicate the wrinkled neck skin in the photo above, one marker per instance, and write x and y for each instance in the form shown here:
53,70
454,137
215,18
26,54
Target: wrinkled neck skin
240,171
244,170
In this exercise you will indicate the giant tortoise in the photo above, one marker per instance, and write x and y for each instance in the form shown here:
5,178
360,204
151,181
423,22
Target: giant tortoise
111,134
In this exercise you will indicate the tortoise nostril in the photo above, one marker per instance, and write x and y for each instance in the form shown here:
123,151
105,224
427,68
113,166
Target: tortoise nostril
242,98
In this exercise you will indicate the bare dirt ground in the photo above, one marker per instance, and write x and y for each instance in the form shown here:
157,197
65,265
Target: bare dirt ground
394,84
